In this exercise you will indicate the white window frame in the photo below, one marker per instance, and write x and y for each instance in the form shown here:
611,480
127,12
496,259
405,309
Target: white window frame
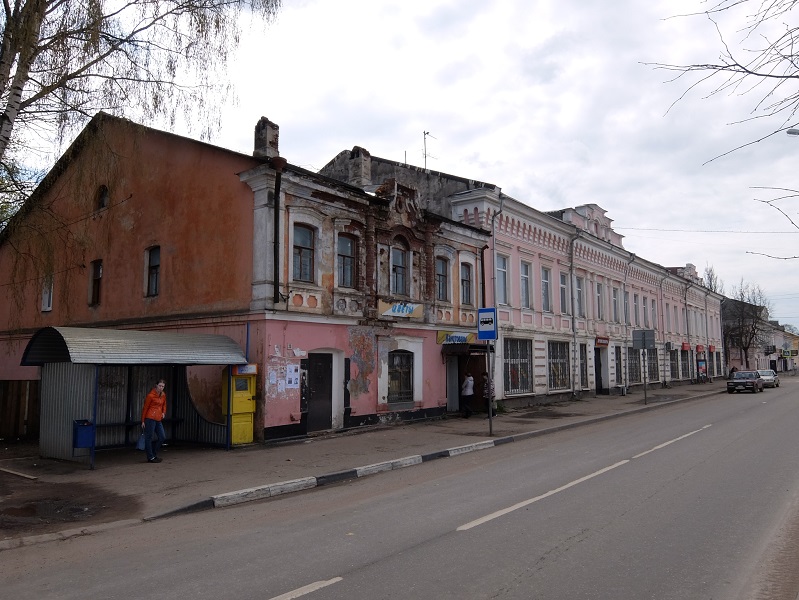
546,289
524,284
502,279
600,305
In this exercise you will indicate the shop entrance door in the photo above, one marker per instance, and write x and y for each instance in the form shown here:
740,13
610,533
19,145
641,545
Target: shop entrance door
320,392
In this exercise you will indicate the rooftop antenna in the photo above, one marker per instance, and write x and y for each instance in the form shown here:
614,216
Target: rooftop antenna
426,135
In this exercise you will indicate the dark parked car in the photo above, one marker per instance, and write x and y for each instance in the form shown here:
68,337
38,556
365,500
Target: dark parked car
770,378
745,381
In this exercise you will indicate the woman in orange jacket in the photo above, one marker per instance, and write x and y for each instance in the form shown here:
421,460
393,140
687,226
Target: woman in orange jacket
152,413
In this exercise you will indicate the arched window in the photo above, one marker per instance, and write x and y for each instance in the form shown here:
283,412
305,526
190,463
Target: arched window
400,268
400,376
442,279
303,253
103,196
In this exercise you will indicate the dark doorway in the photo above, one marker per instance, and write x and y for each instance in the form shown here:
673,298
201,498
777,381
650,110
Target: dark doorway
320,392
600,384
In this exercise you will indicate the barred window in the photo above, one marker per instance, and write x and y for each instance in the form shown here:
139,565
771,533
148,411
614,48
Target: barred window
400,376
619,366
633,365
652,370
674,359
518,366
558,366
685,360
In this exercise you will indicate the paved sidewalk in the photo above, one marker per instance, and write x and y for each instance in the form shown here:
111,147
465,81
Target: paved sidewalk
195,478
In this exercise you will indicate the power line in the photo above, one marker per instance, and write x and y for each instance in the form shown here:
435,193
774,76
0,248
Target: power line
701,230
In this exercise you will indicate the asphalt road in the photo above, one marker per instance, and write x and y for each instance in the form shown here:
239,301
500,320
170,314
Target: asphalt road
695,501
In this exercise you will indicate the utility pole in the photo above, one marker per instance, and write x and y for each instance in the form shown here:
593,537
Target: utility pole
426,135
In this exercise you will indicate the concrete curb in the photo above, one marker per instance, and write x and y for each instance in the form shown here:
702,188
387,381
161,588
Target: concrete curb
295,485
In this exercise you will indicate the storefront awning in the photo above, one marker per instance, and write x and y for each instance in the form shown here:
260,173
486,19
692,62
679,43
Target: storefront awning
464,349
83,345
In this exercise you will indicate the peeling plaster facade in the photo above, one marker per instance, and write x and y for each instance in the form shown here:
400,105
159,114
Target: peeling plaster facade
249,247
568,295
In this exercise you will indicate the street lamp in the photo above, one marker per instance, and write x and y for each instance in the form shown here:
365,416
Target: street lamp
792,132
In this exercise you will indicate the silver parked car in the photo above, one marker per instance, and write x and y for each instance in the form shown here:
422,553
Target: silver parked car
770,378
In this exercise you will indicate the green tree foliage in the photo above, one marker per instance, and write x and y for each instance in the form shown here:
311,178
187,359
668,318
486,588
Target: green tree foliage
62,61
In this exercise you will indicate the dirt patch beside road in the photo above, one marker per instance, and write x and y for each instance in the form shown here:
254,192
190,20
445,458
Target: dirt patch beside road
31,507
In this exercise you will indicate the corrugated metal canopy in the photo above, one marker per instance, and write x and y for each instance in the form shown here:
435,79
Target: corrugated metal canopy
125,347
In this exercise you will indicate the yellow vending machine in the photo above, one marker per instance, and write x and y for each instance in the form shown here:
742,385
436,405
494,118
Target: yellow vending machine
238,401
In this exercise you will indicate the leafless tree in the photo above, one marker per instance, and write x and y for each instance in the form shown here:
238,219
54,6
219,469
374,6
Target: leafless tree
62,61
745,317
759,58
763,61
712,280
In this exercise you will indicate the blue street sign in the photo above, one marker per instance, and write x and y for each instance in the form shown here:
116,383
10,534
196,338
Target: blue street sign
486,323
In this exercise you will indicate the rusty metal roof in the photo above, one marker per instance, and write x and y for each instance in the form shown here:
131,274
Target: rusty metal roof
126,347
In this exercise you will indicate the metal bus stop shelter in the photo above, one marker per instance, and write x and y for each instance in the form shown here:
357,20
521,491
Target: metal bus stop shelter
93,384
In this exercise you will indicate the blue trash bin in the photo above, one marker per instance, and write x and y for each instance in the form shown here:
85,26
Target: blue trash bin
82,434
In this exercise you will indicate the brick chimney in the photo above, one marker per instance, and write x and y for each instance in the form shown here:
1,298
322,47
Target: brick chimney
266,139
360,167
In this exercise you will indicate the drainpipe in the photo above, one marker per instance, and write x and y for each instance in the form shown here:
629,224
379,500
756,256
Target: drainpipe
575,373
627,317
483,276
492,361
688,332
278,164
662,319
707,343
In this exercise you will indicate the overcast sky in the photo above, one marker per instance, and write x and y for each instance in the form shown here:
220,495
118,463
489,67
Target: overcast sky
548,99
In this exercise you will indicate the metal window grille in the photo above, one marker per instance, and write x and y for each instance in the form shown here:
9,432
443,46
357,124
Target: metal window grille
558,365
583,365
619,366
518,360
685,364
634,365
674,359
652,370
400,376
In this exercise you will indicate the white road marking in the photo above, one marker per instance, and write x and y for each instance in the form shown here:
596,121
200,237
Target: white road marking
311,587
664,444
510,509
